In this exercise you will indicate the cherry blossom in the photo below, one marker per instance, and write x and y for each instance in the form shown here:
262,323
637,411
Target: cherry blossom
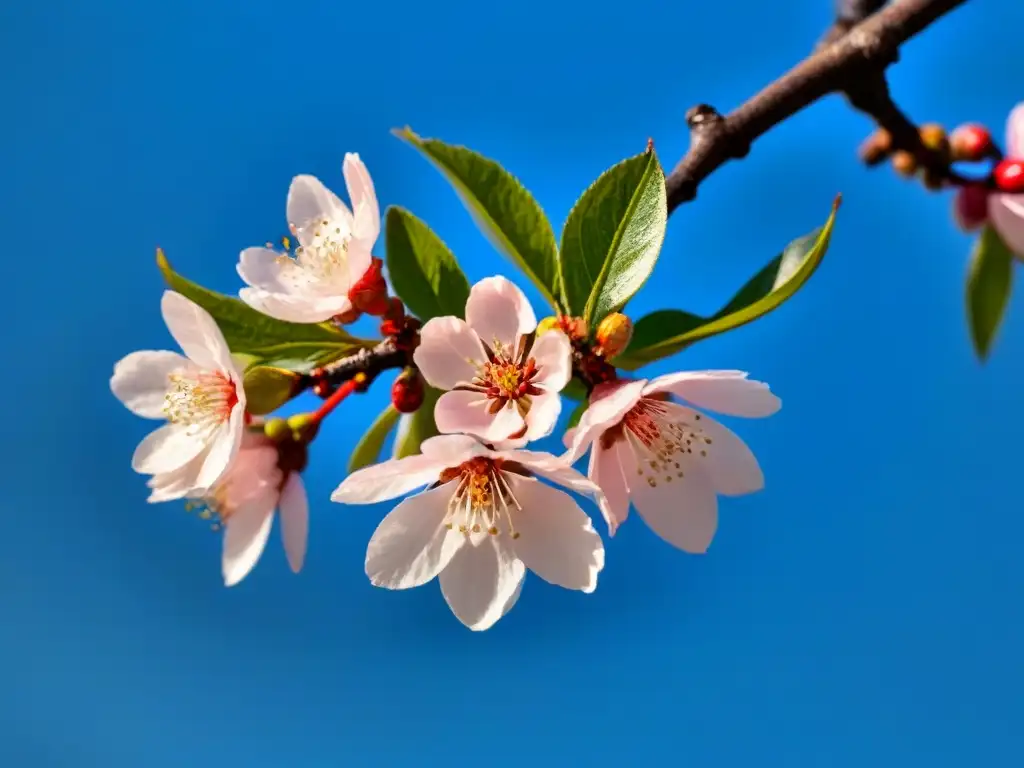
334,251
243,503
667,458
1005,210
484,519
502,379
199,394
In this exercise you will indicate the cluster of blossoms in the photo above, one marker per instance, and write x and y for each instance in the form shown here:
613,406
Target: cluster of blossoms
484,508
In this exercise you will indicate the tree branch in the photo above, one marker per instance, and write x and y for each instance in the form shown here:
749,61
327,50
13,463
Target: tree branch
851,59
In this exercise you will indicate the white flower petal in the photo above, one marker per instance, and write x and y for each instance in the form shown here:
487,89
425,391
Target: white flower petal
364,200
310,204
480,581
387,480
357,262
273,272
176,484
511,602
553,355
726,460
729,392
499,312
683,511
245,537
449,353
165,449
553,468
1015,132
452,450
543,415
470,413
608,404
606,469
556,540
294,308
411,545
141,381
223,448
196,332
1007,214
294,513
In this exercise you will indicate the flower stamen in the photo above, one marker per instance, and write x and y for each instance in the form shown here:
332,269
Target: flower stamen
199,400
662,439
483,500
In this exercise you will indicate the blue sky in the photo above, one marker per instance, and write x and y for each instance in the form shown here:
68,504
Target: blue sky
863,610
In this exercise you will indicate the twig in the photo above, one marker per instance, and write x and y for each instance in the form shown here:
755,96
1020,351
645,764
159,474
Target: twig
852,60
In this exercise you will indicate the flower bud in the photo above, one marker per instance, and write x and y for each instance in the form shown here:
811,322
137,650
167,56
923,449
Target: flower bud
970,207
369,294
407,391
876,147
970,143
613,334
303,427
933,136
904,163
277,430
547,324
395,311
1009,176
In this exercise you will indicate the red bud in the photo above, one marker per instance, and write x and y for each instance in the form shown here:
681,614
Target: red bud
1009,176
369,294
970,207
407,391
970,143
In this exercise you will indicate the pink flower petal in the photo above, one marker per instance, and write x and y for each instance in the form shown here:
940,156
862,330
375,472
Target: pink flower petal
452,450
196,333
1007,214
222,449
366,228
542,416
683,511
388,480
726,460
499,313
556,540
553,355
449,353
166,449
412,545
480,582
1015,132
608,404
552,468
294,512
729,392
310,204
607,471
245,538
470,413
141,381
294,308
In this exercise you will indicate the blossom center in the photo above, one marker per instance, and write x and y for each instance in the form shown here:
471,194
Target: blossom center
508,376
662,439
200,400
483,500
326,256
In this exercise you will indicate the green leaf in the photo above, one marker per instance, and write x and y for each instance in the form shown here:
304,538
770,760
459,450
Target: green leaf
367,451
416,427
667,331
423,271
296,346
577,414
989,281
501,206
612,238
268,388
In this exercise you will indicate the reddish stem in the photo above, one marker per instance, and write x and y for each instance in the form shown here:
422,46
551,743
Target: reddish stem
340,394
